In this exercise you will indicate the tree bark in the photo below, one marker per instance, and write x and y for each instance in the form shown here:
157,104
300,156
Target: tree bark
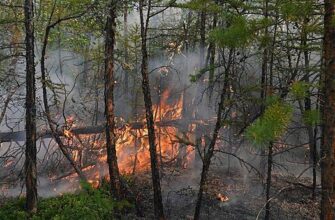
264,85
313,154
158,204
30,161
268,182
328,140
114,174
210,151
212,57
199,133
202,38
126,44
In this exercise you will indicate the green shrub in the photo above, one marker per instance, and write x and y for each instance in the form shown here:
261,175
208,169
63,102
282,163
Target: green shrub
88,204
271,125
299,90
312,117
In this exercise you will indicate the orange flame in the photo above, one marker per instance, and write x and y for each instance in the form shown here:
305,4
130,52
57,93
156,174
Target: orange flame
222,197
132,144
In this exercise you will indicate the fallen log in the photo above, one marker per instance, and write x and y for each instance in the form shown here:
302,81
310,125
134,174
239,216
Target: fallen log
21,135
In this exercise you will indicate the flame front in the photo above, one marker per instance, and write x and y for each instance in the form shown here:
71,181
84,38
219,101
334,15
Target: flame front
132,144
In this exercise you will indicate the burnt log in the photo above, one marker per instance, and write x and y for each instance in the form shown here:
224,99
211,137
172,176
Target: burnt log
21,135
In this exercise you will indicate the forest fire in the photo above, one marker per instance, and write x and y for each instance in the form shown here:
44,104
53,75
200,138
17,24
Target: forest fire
222,197
175,109
132,144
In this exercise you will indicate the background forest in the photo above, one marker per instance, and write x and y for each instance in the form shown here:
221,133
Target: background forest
167,109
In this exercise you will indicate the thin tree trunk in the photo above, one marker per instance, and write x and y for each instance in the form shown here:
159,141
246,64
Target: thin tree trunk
328,139
126,53
268,182
264,82
30,162
181,158
212,56
158,204
202,38
53,130
59,42
114,174
313,154
210,151
199,129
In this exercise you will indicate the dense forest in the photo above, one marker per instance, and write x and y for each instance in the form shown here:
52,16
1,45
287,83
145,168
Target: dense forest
167,109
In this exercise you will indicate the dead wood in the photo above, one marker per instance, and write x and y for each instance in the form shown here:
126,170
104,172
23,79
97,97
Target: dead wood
21,136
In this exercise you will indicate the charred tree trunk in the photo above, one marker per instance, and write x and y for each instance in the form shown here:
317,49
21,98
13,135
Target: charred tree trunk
30,162
199,130
264,83
313,154
202,38
268,182
210,151
212,55
328,139
114,174
158,204
126,53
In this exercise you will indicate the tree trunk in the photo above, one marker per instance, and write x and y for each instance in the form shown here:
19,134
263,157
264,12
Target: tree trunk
264,83
182,153
202,38
158,204
210,151
199,133
313,154
328,140
51,123
126,52
30,162
268,182
109,102
212,56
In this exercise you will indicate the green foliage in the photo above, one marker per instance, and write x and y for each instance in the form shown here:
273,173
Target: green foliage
312,27
296,10
238,34
200,73
241,31
88,204
271,100
271,125
201,5
311,117
74,33
300,89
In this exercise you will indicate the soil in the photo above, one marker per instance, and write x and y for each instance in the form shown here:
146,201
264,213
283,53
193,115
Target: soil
246,193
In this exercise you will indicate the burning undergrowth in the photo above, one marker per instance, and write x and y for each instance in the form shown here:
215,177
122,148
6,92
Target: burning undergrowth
132,143
233,193
88,151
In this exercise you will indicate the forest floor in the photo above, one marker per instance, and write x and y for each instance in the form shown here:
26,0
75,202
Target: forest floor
291,197
246,194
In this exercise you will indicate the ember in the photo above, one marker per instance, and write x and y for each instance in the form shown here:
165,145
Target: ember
222,197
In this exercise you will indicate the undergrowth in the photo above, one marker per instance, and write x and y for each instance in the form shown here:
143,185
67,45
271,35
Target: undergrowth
87,204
